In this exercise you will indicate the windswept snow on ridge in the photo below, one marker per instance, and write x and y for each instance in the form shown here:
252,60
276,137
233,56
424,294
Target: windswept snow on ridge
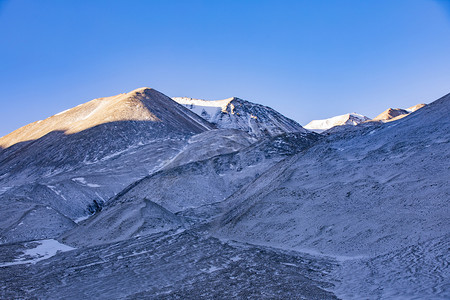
234,113
325,124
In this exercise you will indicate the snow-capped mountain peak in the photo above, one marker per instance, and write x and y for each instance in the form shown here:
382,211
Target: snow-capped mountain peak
235,113
347,119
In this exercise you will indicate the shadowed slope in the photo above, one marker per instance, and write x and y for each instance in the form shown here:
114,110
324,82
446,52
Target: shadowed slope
94,131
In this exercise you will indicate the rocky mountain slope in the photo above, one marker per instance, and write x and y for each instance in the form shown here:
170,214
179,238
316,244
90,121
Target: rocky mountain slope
244,203
361,197
61,177
235,113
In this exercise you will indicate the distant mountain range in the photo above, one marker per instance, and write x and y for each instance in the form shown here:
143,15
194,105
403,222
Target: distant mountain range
143,196
388,115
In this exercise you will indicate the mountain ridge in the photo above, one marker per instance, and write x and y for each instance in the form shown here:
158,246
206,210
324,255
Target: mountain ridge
343,122
142,104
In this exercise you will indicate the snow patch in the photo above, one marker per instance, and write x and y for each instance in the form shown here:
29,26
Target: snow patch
83,181
81,219
212,269
60,113
44,249
4,189
56,191
93,185
80,180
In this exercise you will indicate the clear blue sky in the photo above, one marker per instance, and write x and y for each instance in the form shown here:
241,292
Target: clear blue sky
307,59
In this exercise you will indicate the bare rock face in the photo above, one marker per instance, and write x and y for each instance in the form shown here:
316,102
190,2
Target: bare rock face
235,113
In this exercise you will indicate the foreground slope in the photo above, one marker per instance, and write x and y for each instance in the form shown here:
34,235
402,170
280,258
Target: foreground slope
258,120
172,265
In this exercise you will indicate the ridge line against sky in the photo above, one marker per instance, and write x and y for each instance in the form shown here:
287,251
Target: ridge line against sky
307,60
